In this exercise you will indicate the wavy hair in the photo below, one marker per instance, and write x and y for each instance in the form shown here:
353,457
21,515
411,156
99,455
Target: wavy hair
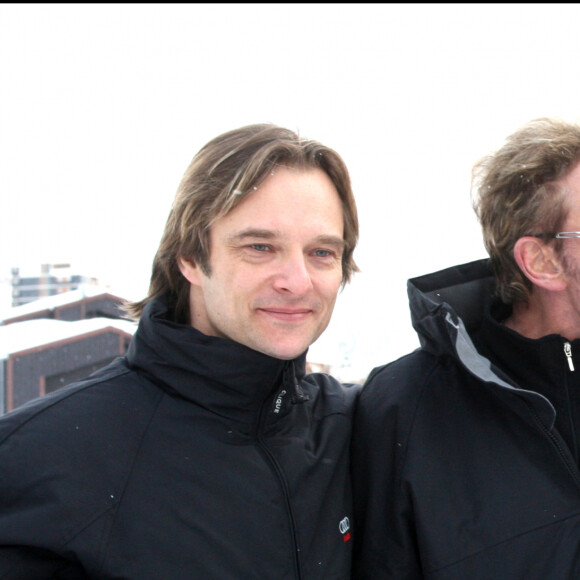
519,192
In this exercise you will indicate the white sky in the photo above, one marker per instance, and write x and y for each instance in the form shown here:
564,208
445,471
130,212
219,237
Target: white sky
103,106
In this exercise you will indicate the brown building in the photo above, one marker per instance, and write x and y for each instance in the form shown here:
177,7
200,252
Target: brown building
46,344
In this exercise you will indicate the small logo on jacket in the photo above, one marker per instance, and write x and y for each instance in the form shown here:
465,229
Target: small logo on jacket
278,402
344,527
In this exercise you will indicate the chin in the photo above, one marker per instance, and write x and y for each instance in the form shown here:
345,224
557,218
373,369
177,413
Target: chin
282,345
284,353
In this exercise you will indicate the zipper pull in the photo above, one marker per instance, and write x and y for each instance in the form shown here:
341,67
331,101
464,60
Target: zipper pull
568,353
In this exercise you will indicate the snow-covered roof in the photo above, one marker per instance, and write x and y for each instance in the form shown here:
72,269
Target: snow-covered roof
29,334
55,301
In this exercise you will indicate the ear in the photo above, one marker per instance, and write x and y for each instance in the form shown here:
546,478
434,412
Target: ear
540,264
191,272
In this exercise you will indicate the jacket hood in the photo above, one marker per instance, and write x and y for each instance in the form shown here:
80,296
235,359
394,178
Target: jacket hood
227,377
446,306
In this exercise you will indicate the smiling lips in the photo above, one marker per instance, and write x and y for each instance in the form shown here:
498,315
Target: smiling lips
287,314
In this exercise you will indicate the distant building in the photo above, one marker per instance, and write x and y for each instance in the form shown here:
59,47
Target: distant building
315,367
53,341
87,302
53,279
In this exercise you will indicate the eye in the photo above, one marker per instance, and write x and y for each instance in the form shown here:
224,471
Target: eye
323,253
260,247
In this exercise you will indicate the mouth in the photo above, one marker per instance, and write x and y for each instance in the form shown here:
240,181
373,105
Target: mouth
287,314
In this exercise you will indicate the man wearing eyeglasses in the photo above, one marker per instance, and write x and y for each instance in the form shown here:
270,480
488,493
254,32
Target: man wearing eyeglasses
467,451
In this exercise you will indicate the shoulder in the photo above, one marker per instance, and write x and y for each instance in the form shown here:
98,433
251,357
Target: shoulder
65,458
392,392
93,409
330,395
90,429
402,378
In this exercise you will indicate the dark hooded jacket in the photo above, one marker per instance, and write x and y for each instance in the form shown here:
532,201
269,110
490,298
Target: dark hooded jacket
459,472
191,457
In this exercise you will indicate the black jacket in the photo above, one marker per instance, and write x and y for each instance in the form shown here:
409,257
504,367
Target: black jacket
459,472
192,458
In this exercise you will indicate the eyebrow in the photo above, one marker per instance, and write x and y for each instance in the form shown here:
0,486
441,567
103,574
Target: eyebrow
271,234
253,233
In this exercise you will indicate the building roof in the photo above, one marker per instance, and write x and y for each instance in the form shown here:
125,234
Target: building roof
56,301
30,334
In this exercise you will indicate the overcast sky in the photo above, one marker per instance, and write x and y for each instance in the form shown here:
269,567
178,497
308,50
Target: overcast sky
103,106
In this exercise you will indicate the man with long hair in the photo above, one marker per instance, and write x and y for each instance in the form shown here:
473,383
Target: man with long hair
206,452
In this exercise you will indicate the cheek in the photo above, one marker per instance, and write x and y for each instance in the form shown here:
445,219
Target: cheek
328,289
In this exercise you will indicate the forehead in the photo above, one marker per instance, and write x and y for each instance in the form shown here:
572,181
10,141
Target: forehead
571,185
289,199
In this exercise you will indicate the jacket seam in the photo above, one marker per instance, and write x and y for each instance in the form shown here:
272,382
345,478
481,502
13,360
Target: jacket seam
130,468
403,460
570,467
58,400
114,504
504,541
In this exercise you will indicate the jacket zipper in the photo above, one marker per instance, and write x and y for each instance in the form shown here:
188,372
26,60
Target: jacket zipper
574,442
568,353
570,466
284,484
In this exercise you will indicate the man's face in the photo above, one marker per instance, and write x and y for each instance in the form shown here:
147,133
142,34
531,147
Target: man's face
276,266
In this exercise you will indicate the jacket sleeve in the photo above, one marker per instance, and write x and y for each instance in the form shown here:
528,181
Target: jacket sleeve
24,536
20,563
385,539
45,498
65,460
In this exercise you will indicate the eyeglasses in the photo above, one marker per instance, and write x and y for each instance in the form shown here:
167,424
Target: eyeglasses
559,235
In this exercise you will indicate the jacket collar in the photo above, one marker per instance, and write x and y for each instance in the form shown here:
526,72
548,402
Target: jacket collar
446,307
228,378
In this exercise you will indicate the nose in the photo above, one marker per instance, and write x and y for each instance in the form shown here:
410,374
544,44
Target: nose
293,276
